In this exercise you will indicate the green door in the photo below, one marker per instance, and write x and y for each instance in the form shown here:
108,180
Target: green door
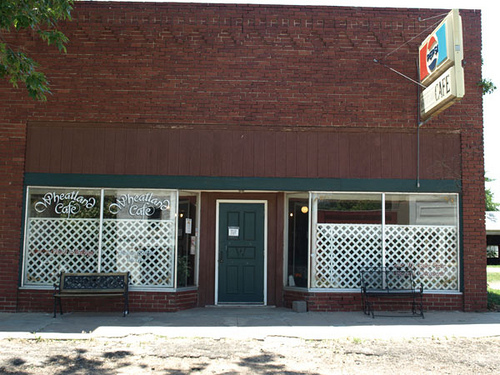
241,253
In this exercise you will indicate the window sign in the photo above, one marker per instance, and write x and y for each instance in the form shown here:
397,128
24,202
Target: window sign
66,231
65,203
129,204
189,226
233,232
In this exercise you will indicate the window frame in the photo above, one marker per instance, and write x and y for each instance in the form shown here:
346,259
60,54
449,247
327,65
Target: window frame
25,284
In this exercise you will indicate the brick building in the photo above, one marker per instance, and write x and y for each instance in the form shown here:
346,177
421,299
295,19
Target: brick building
240,154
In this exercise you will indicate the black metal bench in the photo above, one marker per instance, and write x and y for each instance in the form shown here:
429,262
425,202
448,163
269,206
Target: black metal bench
379,284
92,285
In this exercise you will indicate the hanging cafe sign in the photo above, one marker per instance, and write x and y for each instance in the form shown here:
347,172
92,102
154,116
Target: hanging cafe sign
440,66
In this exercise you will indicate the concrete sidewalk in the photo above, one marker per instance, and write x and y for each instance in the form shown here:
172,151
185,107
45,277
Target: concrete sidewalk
248,323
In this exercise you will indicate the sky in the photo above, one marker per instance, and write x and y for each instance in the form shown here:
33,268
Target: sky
491,55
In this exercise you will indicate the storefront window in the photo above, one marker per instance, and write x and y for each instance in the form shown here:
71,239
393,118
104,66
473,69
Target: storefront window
298,240
347,237
187,240
417,230
62,233
101,230
138,233
421,231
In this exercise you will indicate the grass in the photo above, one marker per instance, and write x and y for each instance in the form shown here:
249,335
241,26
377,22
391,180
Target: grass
493,294
493,277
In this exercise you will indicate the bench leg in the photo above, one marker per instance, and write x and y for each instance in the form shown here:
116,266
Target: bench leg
56,301
422,306
368,307
370,310
125,306
365,304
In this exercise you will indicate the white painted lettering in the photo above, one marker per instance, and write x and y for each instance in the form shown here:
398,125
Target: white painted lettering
64,203
139,205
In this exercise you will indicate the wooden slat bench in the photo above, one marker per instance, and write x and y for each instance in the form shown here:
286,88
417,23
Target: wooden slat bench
92,285
390,284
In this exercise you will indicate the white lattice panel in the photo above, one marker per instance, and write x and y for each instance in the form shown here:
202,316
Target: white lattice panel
431,250
145,248
56,245
341,249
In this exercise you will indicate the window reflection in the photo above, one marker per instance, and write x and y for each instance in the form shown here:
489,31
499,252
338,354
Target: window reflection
350,208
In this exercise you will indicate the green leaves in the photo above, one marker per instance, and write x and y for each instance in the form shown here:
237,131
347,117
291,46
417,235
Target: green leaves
487,86
490,204
22,14
54,37
40,16
17,67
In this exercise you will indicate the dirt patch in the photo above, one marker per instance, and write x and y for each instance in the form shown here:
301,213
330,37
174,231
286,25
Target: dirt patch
273,355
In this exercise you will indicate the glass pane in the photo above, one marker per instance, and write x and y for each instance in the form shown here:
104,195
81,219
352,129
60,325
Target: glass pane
348,236
62,233
64,203
421,209
421,232
187,240
492,251
350,208
139,204
139,235
298,240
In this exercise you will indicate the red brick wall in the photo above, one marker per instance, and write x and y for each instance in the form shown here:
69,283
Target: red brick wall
327,301
241,65
226,65
43,300
12,145
474,232
472,155
159,301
